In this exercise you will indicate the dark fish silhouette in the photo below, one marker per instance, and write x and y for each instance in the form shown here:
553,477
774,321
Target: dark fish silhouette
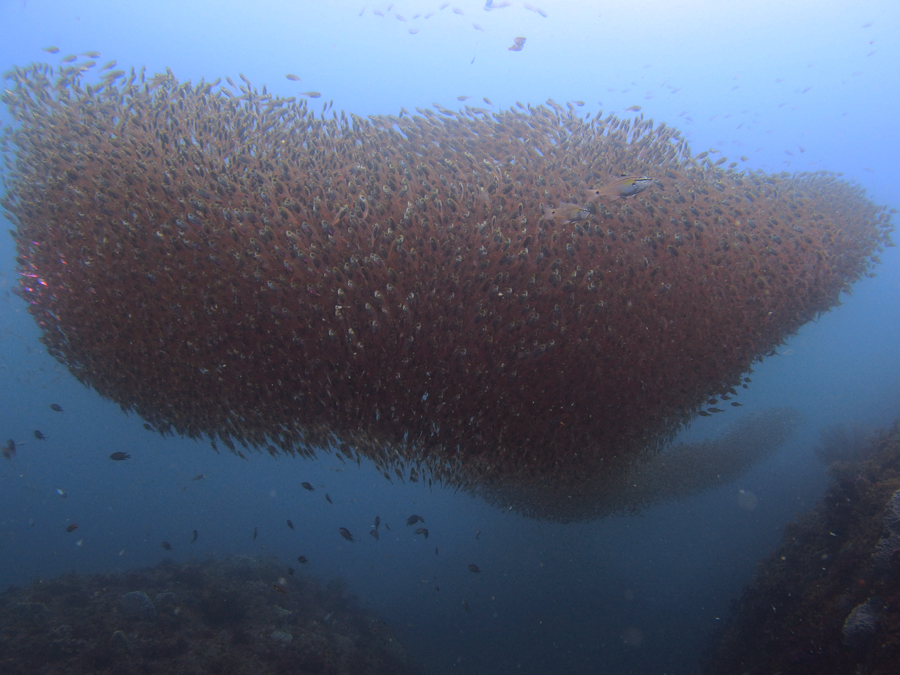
38,435
290,524
166,545
194,538
422,530
56,406
302,559
345,533
120,456
72,527
474,568
307,486
413,519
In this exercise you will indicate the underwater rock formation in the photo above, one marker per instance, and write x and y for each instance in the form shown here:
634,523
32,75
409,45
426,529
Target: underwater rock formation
828,600
231,264
235,615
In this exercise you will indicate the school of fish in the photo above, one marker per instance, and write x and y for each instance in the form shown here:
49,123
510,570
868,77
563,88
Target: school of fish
531,296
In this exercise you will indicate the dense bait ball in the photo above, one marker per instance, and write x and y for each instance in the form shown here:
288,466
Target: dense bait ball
232,264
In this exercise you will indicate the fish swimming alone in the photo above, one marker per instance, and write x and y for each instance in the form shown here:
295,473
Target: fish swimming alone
565,213
518,44
626,186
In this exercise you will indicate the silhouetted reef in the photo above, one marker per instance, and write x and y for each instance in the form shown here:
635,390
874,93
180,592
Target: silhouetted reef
234,616
828,599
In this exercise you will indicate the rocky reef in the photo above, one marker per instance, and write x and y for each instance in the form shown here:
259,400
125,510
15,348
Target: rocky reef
235,616
828,599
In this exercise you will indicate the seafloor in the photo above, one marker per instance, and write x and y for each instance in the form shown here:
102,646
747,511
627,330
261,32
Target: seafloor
828,600
237,616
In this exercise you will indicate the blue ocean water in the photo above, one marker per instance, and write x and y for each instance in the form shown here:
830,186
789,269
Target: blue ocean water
790,86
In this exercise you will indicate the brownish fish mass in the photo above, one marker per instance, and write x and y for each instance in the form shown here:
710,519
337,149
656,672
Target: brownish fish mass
239,266
292,77
518,44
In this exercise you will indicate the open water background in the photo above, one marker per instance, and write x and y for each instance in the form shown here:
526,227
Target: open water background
635,594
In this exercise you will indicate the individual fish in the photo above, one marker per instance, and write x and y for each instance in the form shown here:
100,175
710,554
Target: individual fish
292,77
477,534
703,413
119,456
51,50
72,527
413,519
307,486
9,449
487,100
345,533
109,65
92,55
328,499
290,524
465,605
518,44
565,213
254,534
422,530
474,568
290,571
56,406
38,435
477,27
626,186
736,404
310,94
715,410
199,476
377,521
194,538
302,559
436,550
165,545
463,98
69,58
61,493
374,534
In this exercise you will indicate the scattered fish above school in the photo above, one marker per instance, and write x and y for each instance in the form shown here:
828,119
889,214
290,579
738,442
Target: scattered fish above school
38,435
56,406
120,456
345,533
9,449
307,486
413,519
518,44
422,531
